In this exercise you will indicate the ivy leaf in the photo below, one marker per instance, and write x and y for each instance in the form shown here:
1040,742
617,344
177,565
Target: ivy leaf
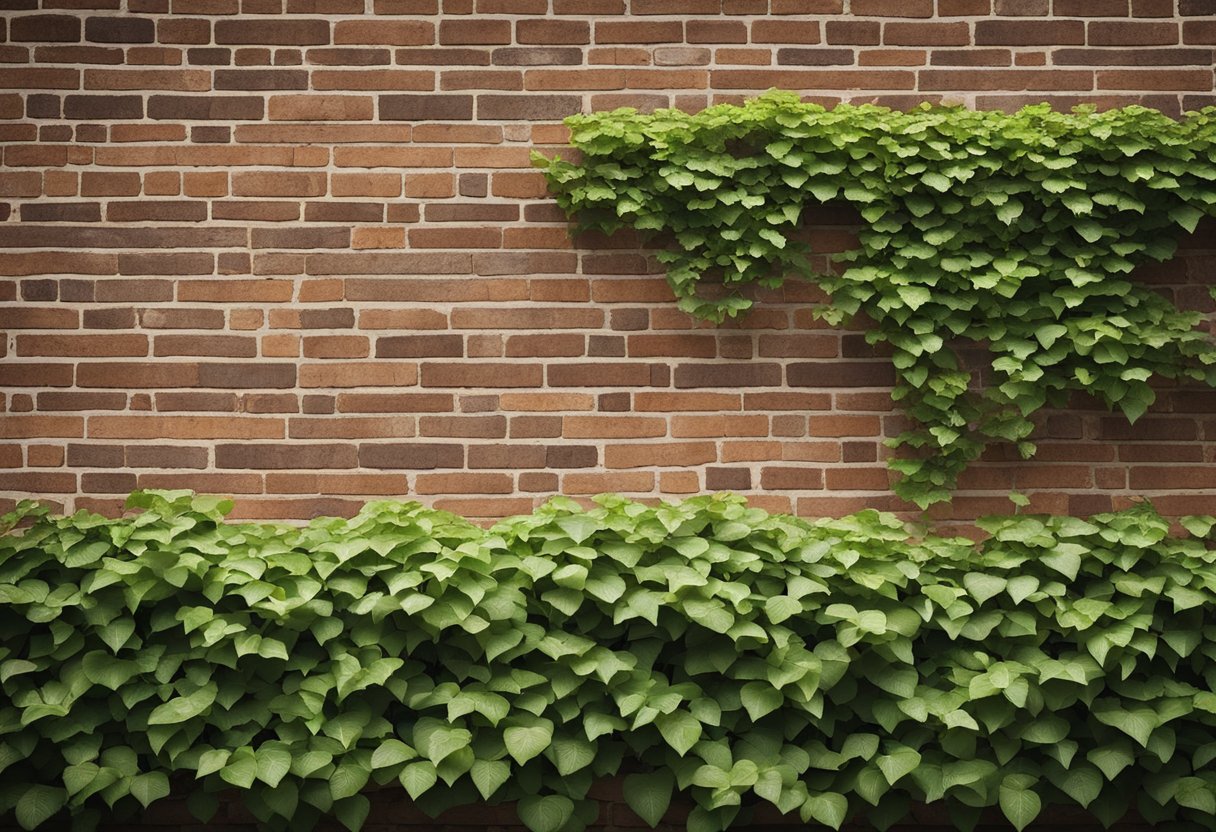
39,804
418,777
489,775
649,795
150,787
680,729
526,742
545,814
184,708
828,808
1019,802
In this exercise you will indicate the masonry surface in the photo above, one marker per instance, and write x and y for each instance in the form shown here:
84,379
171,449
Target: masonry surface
293,250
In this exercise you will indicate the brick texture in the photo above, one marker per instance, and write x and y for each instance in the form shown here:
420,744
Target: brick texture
296,252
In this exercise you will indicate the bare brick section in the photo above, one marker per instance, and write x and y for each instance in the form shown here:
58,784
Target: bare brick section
297,253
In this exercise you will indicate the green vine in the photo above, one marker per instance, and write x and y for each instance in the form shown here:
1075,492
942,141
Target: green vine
1013,232
839,668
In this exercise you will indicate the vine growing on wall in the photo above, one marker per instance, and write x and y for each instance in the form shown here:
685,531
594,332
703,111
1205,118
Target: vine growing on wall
1016,233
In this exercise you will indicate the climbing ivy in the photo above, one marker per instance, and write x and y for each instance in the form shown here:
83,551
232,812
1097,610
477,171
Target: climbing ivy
1015,233
839,668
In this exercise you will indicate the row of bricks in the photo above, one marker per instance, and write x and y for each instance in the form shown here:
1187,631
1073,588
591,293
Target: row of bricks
549,345
964,506
836,425
1077,426
608,8
541,79
547,104
484,346
656,425
765,478
544,31
1154,466
506,79
447,374
494,426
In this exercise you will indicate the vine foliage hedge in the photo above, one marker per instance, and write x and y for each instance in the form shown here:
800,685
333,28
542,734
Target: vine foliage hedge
1015,233
831,668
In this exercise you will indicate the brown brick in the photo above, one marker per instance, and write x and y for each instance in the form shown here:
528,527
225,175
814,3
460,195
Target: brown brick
637,31
534,107
659,455
1023,8
715,31
1014,79
571,456
120,29
387,32
748,79
1029,32
40,482
1129,57
791,479
892,8
728,375
926,34
40,427
92,346
785,31
818,56
423,107
598,375
82,400
1090,8
481,374
103,106
410,455
420,346
454,32
1109,33
45,28
278,184
300,32
320,107
1147,79
210,107
475,427
547,32
840,374
250,455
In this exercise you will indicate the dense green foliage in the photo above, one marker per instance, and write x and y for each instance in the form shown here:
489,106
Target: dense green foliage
1015,233
832,668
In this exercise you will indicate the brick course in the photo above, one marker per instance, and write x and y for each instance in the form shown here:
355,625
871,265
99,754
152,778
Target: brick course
301,257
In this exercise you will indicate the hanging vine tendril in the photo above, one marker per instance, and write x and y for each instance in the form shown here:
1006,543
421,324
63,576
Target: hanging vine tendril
1016,232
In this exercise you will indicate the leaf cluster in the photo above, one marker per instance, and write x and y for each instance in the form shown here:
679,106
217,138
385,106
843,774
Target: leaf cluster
831,668
1015,233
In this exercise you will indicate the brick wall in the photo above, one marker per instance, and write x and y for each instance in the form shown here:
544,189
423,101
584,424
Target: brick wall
293,250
